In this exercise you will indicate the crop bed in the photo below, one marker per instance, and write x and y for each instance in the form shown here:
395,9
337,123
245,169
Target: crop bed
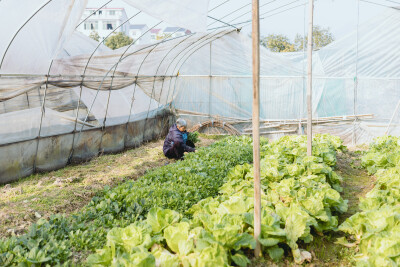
199,212
176,186
376,229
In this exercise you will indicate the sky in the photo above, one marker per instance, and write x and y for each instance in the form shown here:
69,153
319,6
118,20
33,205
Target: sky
287,17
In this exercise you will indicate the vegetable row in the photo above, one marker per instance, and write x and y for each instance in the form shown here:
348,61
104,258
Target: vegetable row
176,186
300,196
376,229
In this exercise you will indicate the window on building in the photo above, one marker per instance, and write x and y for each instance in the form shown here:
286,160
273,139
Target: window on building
91,25
109,25
100,12
111,12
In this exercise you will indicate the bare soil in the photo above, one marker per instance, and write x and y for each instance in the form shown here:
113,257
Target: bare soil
69,189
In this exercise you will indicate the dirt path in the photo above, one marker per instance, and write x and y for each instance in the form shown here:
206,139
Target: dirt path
69,189
356,181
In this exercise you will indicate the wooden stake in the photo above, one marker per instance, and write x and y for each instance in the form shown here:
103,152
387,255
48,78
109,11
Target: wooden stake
309,80
256,125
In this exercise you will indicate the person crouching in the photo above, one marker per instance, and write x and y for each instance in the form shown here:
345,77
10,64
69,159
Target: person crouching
176,143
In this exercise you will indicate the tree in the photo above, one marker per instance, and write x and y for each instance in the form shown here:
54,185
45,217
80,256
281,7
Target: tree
321,38
94,35
278,43
118,40
281,43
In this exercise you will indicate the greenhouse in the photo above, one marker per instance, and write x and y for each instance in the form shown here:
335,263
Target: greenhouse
66,99
72,90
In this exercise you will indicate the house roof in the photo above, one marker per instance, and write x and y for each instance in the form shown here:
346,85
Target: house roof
155,30
108,8
174,29
137,26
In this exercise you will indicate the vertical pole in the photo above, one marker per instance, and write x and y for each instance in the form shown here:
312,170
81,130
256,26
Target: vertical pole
27,100
256,125
391,119
301,113
209,93
309,76
354,141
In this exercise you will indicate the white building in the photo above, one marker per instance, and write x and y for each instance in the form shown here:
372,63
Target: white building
104,21
171,32
139,33
155,35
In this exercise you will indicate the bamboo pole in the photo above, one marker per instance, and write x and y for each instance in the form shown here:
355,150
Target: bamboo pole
391,119
309,81
256,125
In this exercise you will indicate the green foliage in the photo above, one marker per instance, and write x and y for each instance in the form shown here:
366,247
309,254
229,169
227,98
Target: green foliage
384,152
299,192
176,186
118,40
277,43
197,212
194,137
321,37
181,243
281,43
376,228
220,231
95,36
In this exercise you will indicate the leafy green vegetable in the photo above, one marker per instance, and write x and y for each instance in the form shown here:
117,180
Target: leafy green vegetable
376,228
198,212
176,186
193,137
383,153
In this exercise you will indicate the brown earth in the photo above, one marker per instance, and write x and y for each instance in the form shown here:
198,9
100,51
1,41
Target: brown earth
69,189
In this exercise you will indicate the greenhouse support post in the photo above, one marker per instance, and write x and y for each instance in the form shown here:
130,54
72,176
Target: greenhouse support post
309,80
209,93
256,126
353,139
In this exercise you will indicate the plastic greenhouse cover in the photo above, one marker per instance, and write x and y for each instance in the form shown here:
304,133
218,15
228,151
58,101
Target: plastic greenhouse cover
349,79
188,14
79,44
34,35
24,124
119,104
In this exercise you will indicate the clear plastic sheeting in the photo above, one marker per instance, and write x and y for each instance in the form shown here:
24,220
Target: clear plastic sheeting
24,124
119,104
65,98
149,66
357,79
11,87
188,14
376,55
79,44
35,33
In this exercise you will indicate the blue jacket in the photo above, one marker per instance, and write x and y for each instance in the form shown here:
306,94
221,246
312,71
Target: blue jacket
176,137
